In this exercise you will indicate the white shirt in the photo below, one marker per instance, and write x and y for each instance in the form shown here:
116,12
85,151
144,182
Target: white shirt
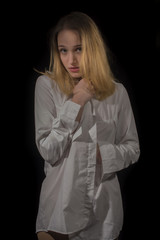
78,197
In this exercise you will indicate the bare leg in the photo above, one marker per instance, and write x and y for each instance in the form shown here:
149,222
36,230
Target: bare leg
58,236
51,236
44,236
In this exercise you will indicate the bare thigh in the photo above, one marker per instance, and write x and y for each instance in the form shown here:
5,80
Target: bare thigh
44,236
51,236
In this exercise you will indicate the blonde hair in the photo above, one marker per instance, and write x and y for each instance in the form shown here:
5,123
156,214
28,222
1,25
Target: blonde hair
94,65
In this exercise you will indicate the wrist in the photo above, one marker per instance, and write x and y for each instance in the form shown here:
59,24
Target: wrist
77,100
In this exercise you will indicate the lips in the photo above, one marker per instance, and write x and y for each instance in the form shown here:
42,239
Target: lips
74,69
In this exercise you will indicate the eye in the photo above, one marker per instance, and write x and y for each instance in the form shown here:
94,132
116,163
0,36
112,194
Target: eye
79,49
63,50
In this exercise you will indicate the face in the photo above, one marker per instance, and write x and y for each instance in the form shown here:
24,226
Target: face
69,46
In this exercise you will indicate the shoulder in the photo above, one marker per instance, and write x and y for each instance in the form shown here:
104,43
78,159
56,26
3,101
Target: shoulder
121,96
119,93
45,82
119,89
46,86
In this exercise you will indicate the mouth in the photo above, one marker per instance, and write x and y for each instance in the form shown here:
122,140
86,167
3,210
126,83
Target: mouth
74,69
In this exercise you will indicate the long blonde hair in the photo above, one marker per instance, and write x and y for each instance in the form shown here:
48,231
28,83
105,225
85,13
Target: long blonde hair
94,65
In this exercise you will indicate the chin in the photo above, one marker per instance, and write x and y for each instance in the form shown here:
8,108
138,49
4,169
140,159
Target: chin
75,75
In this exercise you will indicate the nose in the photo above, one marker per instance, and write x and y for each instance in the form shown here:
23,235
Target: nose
72,58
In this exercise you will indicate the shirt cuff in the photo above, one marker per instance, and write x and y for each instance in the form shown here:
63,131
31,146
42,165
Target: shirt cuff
69,114
70,110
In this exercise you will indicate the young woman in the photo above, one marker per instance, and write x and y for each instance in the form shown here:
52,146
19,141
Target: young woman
85,131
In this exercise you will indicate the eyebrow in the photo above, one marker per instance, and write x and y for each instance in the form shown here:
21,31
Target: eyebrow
78,45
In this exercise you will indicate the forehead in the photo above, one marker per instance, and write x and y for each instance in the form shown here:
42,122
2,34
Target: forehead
68,38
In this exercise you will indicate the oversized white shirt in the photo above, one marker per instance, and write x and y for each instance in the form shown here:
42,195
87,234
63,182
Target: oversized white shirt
79,197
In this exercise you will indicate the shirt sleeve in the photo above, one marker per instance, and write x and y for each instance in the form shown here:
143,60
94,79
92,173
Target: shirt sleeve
53,131
125,150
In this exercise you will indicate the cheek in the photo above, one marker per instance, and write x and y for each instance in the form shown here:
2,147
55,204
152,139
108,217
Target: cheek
79,59
63,60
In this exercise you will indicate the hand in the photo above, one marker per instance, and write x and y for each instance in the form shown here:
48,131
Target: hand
83,92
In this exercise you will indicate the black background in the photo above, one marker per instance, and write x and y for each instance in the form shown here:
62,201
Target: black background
131,29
